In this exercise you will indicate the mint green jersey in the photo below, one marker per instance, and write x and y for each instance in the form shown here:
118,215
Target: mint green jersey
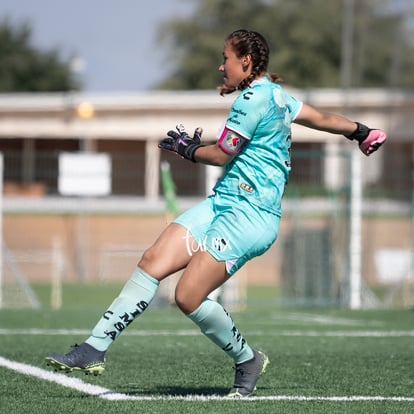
262,114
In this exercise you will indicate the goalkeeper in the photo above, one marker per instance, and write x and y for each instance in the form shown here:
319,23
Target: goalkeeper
237,223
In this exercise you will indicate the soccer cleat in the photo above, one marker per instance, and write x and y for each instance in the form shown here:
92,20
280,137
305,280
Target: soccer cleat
83,357
247,375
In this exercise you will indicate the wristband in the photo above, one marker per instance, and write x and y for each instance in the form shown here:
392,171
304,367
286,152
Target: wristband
360,133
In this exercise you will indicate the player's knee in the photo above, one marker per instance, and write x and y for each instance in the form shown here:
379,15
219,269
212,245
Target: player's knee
181,301
147,259
185,302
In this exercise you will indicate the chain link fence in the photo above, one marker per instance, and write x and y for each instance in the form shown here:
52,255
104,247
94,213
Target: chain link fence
309,265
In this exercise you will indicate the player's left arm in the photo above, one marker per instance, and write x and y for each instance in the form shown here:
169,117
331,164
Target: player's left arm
212,155
191,148
228,145
369,140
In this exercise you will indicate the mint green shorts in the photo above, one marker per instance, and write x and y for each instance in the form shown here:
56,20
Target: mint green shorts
230,228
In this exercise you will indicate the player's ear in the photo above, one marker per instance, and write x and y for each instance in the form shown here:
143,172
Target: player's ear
246,60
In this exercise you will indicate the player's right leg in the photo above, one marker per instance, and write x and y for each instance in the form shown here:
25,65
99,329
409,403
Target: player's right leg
168,255
132,301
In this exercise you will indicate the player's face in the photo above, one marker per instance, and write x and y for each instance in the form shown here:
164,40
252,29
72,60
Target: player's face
234,69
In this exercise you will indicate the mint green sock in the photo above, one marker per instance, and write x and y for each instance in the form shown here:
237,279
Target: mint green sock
217,325
134,298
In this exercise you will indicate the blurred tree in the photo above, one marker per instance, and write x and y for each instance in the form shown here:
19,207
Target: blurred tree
24,68
304,36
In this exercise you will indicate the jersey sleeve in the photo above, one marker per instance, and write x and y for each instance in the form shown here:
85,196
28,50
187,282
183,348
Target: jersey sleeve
245,114
293,105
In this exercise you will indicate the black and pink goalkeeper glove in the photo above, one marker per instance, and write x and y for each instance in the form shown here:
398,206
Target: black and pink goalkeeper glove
369,139
181,143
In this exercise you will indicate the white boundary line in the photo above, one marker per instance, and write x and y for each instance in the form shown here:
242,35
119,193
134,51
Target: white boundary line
107,394
195,332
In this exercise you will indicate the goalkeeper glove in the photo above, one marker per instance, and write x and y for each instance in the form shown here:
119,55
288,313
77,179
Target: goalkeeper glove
369,140
181,143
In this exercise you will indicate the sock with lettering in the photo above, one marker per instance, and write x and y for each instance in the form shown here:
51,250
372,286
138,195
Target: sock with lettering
218,326
134,298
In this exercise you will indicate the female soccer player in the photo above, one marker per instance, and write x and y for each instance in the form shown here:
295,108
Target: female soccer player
238,222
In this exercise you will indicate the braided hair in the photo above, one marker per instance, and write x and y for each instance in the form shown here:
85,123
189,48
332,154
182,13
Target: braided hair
248,42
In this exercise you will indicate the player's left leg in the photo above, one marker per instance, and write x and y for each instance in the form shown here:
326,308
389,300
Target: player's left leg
203,275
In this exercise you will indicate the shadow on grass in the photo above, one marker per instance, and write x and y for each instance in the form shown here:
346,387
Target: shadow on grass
139,390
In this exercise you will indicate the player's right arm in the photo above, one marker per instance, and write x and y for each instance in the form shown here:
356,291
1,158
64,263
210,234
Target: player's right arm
369,140
324,121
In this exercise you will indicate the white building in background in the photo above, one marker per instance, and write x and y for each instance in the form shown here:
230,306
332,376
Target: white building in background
133,123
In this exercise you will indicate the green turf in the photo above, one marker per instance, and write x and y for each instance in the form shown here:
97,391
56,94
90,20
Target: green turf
309,357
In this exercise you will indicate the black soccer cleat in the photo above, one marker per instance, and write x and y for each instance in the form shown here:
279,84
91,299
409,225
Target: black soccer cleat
83,357
247,374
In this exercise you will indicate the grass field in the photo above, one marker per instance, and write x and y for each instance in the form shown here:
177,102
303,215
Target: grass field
322,360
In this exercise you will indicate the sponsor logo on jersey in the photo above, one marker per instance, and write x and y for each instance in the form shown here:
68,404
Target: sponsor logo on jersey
247,95
246,187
